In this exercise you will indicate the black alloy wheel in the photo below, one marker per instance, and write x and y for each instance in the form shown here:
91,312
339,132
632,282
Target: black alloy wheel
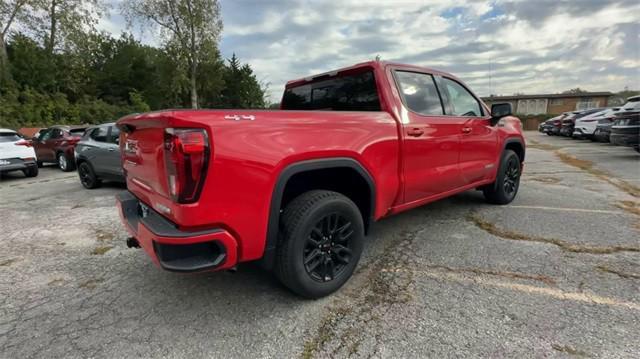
511,176
327,251
87,177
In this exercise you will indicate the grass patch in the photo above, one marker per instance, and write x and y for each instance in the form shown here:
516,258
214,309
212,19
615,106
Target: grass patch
566,246
98,251
620,274
325,332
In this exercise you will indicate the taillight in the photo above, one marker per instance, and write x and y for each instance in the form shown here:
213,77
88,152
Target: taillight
23,143
186,154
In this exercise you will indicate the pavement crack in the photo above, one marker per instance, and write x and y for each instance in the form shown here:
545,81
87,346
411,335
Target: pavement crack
8,262
632,207
567,349
620,274
346,323
588,167
564,245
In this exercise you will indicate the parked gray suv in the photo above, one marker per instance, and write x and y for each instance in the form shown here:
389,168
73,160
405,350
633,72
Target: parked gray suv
98,156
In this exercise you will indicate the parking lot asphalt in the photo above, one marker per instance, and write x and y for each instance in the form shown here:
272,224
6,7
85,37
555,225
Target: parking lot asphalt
554,274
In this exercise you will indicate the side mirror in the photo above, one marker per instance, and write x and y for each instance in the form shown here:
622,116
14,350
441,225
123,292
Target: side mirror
498,111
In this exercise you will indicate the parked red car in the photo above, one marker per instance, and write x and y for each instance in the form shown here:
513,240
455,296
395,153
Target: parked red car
56,144
299,188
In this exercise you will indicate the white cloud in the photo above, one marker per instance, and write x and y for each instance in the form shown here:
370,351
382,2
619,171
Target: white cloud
497,46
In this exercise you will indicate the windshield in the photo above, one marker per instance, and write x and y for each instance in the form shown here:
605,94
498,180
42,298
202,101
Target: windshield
632,104
356,92
77,131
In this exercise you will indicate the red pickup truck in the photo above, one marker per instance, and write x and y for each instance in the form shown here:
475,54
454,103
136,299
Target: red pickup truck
299,188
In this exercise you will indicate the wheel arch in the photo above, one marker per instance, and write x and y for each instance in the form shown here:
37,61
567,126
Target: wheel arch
317,170
515,144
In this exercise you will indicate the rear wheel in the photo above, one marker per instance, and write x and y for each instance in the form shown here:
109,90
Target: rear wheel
64,163
87,176
321,240
505,188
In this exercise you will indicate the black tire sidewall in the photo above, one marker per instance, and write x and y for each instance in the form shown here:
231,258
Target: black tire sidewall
507,156
495,193
94,178
303,283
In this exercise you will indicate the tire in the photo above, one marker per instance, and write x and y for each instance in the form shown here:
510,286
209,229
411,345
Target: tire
549,133
88,176
64,163
31,171
325,229
39,164
505,188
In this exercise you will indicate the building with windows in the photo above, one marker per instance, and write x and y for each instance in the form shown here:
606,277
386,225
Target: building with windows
552,103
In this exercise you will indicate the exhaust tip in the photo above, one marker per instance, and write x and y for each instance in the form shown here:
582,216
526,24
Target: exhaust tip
132,243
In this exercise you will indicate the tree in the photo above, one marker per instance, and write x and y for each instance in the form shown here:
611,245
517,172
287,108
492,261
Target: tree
242,89
189,28
575,91
11,11
63,23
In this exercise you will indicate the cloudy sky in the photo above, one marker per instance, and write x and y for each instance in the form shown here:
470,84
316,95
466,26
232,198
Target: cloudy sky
496,46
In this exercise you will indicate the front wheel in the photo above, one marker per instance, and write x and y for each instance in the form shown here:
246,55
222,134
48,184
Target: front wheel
505,188
320,242
87,176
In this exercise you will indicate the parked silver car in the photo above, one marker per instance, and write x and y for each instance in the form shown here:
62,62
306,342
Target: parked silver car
98,156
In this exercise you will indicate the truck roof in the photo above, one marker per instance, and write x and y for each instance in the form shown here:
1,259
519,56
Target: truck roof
373,64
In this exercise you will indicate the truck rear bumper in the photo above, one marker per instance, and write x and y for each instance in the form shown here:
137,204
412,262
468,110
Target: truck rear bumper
174,249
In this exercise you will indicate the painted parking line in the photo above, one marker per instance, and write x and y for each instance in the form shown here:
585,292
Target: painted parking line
564,209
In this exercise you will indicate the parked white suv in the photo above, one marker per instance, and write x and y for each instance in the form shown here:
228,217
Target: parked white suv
586,126
16,154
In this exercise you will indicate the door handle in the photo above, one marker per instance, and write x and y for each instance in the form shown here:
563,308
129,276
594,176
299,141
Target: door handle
415,132
466,130
111,149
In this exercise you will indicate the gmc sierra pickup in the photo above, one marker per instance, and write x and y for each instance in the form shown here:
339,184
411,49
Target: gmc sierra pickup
299,188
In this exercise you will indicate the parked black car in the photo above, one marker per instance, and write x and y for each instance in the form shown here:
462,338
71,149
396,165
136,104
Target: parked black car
98,156
625,130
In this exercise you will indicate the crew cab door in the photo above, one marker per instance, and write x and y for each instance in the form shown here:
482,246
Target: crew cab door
431,140
478,139
113,162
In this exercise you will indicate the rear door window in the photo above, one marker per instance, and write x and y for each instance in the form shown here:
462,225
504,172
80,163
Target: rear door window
353,92
56,133
461,100
100,134
419,93
114,136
